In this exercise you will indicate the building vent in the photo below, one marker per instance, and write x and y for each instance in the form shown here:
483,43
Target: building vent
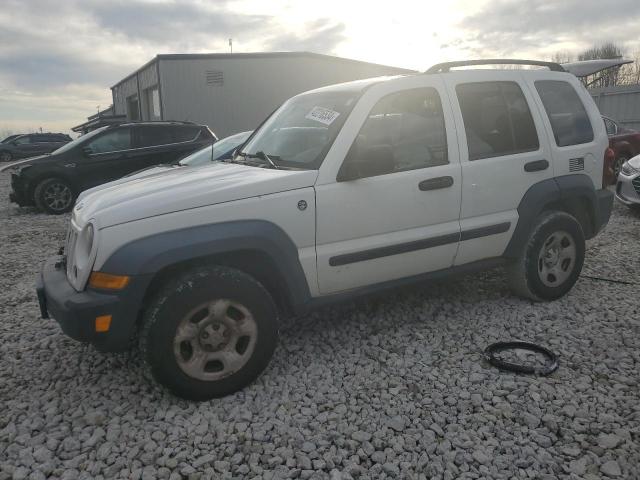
214,77
576,164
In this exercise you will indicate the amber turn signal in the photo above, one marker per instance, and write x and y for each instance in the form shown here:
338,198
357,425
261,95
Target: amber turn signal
103,322
108,281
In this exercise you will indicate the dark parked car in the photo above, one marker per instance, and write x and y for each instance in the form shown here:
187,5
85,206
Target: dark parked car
52,182
31,144
624,142
10,137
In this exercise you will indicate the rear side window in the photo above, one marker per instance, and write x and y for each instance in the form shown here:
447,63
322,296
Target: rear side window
410,125
185,133
112,141
567,115
153,136
497,119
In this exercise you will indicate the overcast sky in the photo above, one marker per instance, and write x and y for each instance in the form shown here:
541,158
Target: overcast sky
59,58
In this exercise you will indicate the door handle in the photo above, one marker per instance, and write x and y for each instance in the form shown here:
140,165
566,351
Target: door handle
536,166
435,183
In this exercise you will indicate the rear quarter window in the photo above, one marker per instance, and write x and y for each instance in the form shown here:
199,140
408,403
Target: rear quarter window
185,133
567,115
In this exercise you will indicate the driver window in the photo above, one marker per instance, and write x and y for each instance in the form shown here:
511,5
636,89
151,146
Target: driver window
410,126
112,141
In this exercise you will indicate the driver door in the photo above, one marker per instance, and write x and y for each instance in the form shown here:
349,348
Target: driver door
403,219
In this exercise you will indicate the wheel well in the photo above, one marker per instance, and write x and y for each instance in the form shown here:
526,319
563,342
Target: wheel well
577,207
45,176
252,262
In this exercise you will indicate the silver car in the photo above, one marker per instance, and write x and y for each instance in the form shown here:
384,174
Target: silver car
628,184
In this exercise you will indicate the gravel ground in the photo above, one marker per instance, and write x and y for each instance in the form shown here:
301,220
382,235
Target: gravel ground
391,387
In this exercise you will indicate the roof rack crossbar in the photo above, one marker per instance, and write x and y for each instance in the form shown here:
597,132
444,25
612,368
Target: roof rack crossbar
447,66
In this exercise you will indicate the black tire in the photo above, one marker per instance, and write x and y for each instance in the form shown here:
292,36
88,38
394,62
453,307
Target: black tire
525,275
5,156
179,299
45,200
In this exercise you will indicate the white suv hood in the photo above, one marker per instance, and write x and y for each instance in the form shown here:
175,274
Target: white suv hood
184,188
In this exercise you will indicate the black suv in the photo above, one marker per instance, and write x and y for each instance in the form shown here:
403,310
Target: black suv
52,182
31,144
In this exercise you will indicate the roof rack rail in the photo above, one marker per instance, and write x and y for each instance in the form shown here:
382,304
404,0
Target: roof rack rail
447,66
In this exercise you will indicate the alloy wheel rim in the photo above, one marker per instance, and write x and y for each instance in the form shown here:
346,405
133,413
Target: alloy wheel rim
557,259
215,339
57,196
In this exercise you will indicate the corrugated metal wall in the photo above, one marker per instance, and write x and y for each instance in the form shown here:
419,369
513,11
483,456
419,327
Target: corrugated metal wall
622,104
236,94
121,92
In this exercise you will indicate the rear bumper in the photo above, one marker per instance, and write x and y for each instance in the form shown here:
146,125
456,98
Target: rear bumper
76,312
603,207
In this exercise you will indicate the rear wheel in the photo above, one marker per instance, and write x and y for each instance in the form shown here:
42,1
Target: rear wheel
209,333
551,262
5,156
54,195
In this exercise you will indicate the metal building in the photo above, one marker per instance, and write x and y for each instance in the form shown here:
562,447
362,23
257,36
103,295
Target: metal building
621,103
230,92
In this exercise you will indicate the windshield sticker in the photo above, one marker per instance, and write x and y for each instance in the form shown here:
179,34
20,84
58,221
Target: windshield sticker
322,115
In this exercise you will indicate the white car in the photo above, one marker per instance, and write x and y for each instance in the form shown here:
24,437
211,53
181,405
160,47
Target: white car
342,191
628,183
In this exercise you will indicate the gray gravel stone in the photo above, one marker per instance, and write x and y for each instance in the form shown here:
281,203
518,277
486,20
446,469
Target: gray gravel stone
611,469
387,387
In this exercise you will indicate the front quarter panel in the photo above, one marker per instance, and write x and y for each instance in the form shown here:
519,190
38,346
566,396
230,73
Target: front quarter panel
194,233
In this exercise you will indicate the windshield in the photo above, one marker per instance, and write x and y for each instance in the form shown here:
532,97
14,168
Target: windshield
300,133
218,151
79,140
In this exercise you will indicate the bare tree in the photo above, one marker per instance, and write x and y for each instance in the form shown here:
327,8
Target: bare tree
606,78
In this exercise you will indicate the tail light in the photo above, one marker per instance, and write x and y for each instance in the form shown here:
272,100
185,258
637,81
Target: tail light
608,177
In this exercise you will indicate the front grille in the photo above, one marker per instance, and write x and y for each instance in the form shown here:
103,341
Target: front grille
576,164
636,184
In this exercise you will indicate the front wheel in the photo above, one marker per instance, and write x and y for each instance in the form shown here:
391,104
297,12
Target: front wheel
54,195
209,333
552,259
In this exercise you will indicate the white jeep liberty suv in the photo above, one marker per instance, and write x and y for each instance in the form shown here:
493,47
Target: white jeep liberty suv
343,190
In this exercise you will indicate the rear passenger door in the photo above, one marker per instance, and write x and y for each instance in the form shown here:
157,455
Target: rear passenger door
502,155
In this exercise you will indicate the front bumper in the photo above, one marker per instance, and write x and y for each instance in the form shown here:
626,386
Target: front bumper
18,191
76,312
628,189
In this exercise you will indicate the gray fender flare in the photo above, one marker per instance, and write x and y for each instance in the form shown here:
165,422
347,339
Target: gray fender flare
562,189
149,255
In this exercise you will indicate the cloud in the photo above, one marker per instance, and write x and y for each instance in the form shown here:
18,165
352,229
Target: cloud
47,47
320,36
505,27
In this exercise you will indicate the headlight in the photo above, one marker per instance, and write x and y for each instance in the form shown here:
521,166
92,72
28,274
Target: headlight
85,247
628,170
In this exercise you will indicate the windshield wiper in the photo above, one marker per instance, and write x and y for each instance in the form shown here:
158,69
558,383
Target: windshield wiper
262,156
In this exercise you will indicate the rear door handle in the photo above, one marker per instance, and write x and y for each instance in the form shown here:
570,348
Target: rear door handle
435,183
536,166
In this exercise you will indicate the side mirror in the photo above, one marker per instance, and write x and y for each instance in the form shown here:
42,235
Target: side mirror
363,162
87,151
